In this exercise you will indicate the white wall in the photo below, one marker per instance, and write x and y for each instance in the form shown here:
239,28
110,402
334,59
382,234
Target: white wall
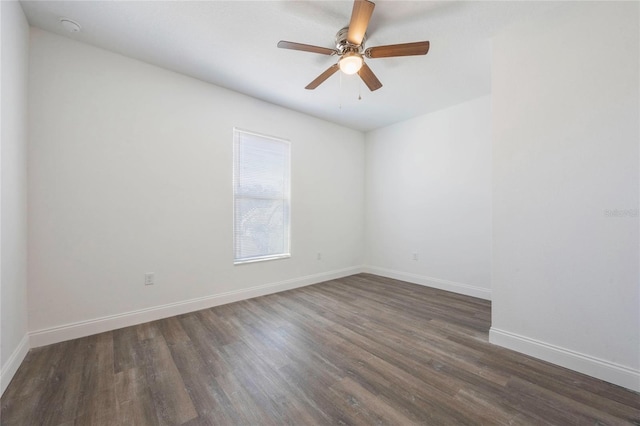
130,171
13,190
428,191
565,155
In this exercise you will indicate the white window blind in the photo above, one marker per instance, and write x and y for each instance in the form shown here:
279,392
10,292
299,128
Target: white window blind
261,190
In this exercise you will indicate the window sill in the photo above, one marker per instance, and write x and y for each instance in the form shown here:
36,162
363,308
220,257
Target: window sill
261,259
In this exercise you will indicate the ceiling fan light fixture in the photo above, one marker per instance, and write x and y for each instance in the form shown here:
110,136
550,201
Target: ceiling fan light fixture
350,63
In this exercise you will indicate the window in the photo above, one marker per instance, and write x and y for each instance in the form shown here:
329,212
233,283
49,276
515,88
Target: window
261,182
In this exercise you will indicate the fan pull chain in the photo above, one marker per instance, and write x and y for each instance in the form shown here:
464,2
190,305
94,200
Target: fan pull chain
340,93
360,90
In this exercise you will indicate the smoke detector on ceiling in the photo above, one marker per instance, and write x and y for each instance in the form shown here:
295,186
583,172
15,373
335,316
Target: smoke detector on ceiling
69,25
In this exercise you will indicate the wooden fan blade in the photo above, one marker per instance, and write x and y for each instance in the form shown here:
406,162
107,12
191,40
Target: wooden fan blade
322,77
306,48
360,15
405,49
369,78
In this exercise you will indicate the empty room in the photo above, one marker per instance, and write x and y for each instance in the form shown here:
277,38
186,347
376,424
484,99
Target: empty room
320,212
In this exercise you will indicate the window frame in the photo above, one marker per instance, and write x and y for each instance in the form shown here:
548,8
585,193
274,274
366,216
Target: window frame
287,197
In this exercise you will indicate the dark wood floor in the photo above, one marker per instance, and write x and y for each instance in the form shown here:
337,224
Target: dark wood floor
359,350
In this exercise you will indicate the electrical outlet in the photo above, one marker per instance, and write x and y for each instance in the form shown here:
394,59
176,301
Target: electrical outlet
414,256
149,278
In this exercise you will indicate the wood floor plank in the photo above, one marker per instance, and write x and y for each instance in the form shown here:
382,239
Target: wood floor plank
61,388
172,331
210,353
170,397
292,410
247,410
148,330
97,388
566,409
134,399
208,397
127,349
369,408
489,411
268,392
135,412
358,350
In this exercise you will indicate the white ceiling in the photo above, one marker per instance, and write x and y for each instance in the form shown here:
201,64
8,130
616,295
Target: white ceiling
233,44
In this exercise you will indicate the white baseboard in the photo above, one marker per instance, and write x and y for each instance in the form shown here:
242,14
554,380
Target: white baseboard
466,289
582,363
13,363
113,322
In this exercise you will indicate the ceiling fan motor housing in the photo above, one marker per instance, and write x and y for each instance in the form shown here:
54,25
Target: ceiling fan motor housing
343,46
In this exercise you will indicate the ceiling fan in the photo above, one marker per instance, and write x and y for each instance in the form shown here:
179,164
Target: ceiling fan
350,47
